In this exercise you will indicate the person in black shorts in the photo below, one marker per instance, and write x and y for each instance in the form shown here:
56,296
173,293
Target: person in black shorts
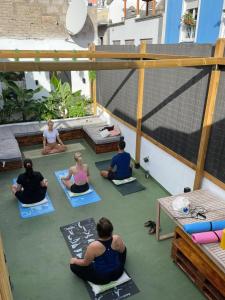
120,165
104,258
30,186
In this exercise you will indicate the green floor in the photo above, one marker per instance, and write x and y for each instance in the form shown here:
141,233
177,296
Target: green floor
38,257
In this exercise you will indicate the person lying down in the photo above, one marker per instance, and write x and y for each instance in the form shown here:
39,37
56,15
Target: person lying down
80,174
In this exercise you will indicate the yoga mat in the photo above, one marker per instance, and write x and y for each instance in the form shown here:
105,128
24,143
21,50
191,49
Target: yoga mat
36,153
204,226
207,237
124,189
80,200
37,210
77,236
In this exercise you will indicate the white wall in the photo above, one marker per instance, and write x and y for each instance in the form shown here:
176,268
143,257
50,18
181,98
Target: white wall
116,12
43,77
173,175
146,29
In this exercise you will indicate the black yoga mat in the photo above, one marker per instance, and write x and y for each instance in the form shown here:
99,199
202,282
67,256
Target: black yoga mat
124,189
77,236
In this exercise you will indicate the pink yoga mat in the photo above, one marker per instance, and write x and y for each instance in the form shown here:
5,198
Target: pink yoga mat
207,237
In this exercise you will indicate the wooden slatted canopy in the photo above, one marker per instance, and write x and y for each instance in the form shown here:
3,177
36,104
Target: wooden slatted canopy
84,54
20,66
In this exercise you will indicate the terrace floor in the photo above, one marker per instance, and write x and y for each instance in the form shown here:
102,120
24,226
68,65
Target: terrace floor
37,255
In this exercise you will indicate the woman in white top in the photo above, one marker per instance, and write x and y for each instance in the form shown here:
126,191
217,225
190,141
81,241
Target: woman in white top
51,140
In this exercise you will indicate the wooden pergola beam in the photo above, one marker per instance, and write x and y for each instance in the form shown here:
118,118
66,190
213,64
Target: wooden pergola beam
208,116
141,80
85,54
93,85
87,65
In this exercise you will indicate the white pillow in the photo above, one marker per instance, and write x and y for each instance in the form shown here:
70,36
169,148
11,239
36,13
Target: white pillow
97,289
123,181
79,194
45,200
104,133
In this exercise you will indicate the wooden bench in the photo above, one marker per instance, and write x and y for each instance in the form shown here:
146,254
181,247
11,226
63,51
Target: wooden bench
27,135
202,271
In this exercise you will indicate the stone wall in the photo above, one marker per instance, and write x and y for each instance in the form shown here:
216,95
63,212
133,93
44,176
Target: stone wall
33,19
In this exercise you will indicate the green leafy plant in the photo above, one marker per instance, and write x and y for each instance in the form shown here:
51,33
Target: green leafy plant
92,75
63,102
188,20
21,100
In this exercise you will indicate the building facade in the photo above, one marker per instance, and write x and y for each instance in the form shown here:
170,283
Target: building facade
130,22
198,21
41,25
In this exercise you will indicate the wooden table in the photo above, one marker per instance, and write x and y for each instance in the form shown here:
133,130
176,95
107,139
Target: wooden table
204,264
215,207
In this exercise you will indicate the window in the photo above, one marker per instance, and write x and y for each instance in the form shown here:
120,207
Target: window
148,41
129,42
189,21
116,42
101,40
222,29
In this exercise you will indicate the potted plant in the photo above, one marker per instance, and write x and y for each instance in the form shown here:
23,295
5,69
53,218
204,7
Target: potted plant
188,19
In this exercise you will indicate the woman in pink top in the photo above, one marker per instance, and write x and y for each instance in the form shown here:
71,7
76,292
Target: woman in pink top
80,174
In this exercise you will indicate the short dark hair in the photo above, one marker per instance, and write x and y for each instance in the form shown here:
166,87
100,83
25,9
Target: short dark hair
104,228
122,145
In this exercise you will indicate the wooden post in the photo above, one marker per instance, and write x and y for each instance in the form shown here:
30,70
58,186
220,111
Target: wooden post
147,8
208,116
153,7
141,79
125,8
93,84
138,8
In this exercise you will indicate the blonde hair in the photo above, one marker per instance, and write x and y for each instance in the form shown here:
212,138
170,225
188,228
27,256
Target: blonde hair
50,121
78,157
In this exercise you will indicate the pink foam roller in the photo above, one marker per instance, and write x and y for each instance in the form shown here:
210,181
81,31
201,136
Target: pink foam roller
207,237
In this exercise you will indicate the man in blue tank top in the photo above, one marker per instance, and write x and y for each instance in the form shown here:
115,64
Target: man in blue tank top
120,165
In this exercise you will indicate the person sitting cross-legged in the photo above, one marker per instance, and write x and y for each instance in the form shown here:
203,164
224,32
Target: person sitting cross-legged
80,174
121,162
104,258
51,140
30,187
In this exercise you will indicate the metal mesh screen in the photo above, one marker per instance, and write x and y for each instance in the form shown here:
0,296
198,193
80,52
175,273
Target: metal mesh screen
215,159
174,101
117,89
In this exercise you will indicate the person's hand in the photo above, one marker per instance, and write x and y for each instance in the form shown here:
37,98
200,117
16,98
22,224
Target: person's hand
72,260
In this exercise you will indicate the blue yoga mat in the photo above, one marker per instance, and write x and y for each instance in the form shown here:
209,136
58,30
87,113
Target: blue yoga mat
80,200
38,210
204,226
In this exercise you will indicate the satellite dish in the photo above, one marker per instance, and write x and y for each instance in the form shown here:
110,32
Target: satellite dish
76,16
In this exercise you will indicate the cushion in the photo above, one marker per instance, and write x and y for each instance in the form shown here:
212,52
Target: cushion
25,129
6,133
104,133
9,150
79,194
123,181
45,200
94,133
114,132
97,289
